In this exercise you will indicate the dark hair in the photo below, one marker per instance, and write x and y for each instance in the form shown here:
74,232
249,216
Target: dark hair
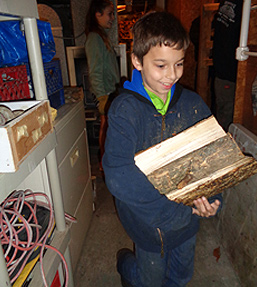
91,21
158,28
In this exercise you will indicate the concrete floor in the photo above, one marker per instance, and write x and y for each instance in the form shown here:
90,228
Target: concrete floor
97,265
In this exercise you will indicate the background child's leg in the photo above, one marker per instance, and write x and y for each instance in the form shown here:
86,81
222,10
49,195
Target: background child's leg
102,136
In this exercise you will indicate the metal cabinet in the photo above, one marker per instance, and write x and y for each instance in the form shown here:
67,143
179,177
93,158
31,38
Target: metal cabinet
74,169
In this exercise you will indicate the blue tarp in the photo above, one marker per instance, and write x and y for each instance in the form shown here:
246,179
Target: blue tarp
13,48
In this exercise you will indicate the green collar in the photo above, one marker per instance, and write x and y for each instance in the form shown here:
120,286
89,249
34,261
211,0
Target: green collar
160,106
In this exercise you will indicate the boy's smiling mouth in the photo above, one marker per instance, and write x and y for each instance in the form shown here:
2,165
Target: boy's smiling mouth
167,85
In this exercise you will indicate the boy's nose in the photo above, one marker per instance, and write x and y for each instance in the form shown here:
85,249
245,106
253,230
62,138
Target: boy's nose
171,73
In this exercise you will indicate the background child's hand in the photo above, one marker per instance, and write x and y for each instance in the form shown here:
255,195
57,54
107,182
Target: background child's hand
205,209
102,103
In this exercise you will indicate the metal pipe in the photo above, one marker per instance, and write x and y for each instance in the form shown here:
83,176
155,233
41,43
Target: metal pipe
240,51
35,58
56,191
37,71
254,54
245,23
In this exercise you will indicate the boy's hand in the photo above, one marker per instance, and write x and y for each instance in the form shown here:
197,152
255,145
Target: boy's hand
205,209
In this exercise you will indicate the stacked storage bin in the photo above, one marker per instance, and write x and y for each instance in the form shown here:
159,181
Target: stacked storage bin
54,84
15,75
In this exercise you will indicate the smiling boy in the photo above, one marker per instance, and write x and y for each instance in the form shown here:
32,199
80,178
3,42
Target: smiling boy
151,108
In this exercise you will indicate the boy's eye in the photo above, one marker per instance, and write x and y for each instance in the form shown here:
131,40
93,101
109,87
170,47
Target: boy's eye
180,64
160,66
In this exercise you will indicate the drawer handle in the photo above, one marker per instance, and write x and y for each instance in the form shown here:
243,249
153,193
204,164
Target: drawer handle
74,157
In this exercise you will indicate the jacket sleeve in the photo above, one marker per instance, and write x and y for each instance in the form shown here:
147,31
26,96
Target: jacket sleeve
95,49
127,183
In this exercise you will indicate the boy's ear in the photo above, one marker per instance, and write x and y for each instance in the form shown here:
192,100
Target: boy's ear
136,63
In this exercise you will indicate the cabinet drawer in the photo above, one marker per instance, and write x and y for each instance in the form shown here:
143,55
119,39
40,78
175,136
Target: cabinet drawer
74,173
68,125
79,230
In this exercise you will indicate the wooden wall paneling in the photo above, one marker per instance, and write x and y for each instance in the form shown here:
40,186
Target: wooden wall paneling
205,45
243,111
246,73
186,11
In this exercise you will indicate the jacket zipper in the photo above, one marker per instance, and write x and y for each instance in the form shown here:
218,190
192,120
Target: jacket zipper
162,250
163,127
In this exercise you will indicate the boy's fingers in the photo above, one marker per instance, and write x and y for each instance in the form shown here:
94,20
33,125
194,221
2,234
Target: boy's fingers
204,208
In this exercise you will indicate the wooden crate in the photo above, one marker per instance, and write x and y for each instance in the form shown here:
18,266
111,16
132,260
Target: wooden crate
23,134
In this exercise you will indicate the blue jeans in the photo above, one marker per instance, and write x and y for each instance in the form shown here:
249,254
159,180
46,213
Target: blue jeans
147,269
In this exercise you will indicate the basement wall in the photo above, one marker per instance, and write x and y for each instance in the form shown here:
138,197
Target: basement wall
237,222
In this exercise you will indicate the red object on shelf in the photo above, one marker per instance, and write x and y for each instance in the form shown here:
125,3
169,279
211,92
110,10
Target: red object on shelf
56,282
14,83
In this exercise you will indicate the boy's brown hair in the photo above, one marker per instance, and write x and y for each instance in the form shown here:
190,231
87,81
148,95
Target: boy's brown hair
158,28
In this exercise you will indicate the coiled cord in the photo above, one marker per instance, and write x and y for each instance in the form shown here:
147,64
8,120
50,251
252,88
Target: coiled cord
13,223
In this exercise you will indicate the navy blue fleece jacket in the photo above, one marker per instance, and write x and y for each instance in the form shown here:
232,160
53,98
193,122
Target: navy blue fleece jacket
150,219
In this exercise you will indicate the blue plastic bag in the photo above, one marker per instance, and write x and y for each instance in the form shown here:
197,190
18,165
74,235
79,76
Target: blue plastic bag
13,48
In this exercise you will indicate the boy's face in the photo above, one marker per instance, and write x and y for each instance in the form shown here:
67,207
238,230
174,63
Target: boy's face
162,67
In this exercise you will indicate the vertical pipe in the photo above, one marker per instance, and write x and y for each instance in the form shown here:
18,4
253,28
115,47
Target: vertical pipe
35,58
245,23
37,71
56,190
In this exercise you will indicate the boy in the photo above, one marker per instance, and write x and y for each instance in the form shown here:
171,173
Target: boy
152,108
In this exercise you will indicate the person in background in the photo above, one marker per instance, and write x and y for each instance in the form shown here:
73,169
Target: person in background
227,25
102,62
150,109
